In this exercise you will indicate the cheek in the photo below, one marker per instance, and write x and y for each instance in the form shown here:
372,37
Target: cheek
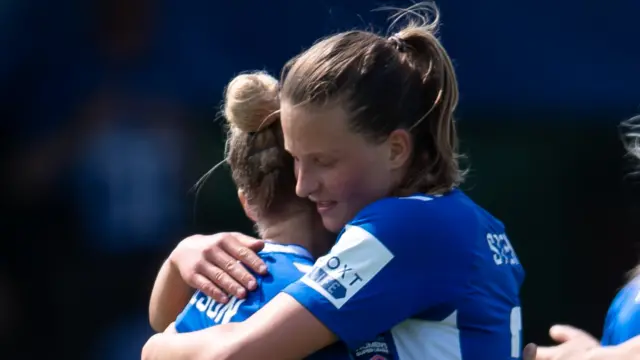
357,181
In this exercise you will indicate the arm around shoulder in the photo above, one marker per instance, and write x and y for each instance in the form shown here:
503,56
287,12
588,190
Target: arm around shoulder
169,295
214,343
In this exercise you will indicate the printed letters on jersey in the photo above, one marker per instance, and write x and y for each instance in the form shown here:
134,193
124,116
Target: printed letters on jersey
355,259
502,250
219,313
382,348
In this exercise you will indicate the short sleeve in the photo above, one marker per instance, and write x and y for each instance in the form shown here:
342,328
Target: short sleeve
395,260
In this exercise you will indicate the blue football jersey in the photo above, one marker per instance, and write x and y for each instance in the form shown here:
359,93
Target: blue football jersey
286,264
439,271
623,318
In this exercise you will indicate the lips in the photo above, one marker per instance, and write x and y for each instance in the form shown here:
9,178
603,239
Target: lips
324,206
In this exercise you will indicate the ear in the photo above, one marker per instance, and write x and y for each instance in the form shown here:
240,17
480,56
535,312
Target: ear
247,209
400,145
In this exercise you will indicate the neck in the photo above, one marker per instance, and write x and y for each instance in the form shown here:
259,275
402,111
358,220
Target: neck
302,229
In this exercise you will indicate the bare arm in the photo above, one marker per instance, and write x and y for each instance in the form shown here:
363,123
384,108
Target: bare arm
283,329
169,296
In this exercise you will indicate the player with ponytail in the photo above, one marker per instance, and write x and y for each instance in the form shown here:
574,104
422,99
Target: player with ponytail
417,265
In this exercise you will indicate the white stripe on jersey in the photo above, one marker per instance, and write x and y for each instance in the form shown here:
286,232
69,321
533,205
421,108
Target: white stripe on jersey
271,247
421,339
303,267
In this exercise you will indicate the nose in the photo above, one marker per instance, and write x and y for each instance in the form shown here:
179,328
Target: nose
306,182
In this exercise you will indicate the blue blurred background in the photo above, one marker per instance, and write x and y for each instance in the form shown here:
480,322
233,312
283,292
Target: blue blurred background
108,110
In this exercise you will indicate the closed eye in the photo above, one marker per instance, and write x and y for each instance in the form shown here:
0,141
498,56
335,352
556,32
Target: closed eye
324,162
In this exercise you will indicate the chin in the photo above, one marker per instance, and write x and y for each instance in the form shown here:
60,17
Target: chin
333,224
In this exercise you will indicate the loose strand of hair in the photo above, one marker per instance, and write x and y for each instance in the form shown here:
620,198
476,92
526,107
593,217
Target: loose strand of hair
424,15
268,120
197,187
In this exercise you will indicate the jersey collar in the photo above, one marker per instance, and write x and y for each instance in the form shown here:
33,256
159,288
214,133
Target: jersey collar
271,247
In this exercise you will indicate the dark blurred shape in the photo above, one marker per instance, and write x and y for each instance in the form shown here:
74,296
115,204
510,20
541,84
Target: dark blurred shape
630,134
10,311
125,27
123,338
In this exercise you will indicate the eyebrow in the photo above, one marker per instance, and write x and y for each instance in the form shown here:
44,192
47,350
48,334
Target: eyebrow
333,152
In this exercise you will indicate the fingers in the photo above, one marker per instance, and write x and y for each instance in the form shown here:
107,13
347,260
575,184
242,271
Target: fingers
529,352
575,344
203,284
228,273
238,246
218,271
544,353
564,333
566,351
250,242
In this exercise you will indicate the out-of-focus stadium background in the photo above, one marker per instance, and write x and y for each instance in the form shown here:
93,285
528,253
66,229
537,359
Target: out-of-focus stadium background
108,108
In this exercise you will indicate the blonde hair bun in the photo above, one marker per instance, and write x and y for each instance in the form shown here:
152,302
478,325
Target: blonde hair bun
251,101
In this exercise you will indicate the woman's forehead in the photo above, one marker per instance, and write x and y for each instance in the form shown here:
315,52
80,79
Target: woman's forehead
302,113
315,129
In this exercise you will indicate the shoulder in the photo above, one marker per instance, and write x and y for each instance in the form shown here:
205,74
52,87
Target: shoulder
285,264
286,258
626,305
419,210
453,216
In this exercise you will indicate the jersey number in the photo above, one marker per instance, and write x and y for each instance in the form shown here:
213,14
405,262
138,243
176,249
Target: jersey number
515,324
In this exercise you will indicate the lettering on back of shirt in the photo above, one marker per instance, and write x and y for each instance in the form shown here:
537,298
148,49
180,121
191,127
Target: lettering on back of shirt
500,246
219,313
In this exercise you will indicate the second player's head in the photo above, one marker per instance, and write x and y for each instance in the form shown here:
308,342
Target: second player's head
367,116
630,131
260,167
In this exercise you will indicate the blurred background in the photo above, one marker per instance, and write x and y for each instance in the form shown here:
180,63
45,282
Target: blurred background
108,110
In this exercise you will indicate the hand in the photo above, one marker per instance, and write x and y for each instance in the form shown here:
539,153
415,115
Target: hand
575,345
213,263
